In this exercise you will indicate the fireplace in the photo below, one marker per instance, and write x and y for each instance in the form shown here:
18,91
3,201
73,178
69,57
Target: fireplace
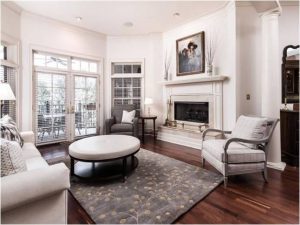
195,112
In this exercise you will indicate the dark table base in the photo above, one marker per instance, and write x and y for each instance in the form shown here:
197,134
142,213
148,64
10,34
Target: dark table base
104,170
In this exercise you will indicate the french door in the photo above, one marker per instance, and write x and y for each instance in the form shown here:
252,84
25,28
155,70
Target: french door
66,106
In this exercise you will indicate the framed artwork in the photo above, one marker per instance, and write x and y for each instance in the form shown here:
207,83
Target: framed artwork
190,56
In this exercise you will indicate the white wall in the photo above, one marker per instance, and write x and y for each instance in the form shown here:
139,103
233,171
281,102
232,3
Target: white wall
42,33
248,75
220,25
147,47
10,22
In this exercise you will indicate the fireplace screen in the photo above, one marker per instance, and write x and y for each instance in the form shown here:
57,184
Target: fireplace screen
192,111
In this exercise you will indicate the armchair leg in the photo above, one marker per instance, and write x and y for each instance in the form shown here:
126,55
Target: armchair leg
225,181
265,174
202,161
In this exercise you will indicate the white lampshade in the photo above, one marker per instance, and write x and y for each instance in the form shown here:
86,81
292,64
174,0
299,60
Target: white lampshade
148,101
5,92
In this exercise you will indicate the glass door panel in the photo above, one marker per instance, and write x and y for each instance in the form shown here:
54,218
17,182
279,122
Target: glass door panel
85,102
51,103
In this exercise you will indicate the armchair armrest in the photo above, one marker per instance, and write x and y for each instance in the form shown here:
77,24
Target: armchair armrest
108,123
29,186
135,126
248,141
28,136
214,130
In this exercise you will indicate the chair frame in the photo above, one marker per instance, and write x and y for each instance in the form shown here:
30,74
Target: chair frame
261,144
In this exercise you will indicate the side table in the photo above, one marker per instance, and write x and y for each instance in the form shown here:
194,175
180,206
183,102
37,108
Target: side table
143,118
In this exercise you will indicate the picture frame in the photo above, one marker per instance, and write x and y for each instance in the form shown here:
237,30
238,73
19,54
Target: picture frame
190,55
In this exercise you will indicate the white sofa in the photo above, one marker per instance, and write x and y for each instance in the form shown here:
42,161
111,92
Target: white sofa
38,195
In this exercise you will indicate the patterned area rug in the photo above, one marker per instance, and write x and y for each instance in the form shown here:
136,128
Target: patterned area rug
157,192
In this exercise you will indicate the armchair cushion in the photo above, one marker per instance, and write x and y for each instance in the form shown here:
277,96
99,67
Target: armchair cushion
250,128
237,153
121,127
127,117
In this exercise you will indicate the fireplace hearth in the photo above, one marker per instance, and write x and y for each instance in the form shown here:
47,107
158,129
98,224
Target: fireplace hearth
196,112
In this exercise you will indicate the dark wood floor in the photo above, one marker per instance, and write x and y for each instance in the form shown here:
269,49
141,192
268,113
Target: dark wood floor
247,199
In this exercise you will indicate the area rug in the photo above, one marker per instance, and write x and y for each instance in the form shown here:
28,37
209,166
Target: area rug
157,192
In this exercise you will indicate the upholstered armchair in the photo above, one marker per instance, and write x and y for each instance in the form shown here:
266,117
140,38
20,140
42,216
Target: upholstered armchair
244,150
113,125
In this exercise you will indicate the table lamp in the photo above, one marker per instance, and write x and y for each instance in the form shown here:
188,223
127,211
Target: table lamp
148,101
5,94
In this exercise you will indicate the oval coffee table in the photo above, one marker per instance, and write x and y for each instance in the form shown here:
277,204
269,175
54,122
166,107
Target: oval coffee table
105,148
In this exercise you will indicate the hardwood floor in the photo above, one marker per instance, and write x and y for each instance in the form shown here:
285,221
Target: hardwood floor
247,199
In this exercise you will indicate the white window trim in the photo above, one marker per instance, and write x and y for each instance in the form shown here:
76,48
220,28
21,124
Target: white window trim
99,60
134,75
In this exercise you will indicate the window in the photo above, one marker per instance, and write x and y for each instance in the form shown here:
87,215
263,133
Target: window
126,68
127,84
50,61
84,66
8,75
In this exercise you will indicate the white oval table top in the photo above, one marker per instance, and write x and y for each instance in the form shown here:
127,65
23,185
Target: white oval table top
104,147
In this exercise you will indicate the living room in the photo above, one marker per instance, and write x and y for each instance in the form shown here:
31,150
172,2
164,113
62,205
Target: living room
119,112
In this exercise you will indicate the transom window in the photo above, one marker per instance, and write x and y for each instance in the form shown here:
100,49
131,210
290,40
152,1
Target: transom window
62,63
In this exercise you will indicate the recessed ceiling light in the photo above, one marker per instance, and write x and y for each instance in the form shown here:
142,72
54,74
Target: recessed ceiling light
177,14
78,18
128,24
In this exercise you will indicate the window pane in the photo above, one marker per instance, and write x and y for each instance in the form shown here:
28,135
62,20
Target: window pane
118,102
62,63
118,69
44,80
118,92
127,82
136,92
39,59
118,82
136,82
75,64
84,66
79,82
127,93
136,69
58,81
127,68
93,67
51,61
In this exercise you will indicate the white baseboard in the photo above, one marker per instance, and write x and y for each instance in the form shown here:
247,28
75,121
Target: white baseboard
277,166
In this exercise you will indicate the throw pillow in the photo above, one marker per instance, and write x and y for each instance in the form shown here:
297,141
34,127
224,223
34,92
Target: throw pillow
250,128
127,117
9,130
11,158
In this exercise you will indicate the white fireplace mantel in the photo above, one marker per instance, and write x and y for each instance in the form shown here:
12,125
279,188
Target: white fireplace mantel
195,80
204,89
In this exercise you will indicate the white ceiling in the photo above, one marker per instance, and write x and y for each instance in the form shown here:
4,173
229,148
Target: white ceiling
109,17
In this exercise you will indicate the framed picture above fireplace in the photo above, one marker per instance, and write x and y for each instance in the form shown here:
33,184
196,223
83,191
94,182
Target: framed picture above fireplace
190,55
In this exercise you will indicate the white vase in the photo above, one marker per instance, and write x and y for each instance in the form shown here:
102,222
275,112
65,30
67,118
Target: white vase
209,69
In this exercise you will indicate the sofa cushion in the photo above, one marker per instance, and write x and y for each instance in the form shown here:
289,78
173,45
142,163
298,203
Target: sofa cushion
237,153
11,158
36,163
9,130
30,151
121,127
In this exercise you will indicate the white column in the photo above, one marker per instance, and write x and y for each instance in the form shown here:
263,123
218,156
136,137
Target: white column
271,82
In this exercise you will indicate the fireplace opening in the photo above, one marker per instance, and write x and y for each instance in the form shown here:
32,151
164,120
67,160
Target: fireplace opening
191,111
